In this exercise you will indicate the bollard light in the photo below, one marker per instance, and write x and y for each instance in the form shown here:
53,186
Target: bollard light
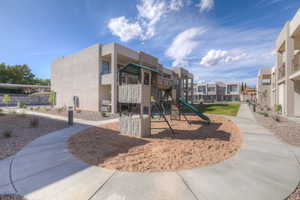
70,115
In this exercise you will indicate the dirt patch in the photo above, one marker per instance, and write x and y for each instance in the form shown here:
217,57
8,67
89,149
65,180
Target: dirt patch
286,130
21,132
11,197
195,145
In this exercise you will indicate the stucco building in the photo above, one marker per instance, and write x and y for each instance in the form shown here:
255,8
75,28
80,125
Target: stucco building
286,73
216,92
89,79
263,87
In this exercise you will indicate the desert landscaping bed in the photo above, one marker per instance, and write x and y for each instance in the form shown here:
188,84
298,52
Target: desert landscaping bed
195,145
286,130
17,130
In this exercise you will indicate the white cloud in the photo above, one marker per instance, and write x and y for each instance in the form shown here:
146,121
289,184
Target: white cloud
122,28
214,57
176,4
206,5
183,45
150,13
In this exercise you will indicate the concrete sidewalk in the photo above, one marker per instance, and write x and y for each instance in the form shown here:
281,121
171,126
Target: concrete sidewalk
264,168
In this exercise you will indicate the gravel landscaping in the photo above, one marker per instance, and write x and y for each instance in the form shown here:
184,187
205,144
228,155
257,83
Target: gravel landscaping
195,145
288,131
17,130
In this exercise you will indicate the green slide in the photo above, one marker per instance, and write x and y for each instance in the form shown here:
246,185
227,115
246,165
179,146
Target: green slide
194,109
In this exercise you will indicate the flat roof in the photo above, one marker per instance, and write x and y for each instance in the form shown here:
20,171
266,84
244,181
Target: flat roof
133,68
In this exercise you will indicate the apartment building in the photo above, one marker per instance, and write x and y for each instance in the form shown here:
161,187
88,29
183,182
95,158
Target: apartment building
248,94
263,87
286,73
89,79
216,92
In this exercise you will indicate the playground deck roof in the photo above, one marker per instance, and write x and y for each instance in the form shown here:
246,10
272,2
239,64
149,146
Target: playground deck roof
133,68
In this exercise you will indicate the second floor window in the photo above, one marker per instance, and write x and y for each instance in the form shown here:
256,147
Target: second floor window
232,88
105,67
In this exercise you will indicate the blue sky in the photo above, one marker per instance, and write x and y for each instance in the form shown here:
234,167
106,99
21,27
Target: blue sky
217,40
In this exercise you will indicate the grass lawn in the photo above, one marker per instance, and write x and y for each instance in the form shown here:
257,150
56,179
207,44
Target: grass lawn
223,109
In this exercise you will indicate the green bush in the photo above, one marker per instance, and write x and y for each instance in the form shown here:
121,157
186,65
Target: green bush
278,108
6,99
22,105
34,122
7,133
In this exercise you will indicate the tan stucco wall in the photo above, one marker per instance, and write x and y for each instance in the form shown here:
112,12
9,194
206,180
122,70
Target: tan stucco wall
78,75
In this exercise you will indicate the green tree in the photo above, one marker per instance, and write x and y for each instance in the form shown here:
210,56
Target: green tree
52,98
6,99
19,74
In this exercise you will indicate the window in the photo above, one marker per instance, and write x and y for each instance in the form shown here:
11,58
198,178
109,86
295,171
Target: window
232,88
105,67
266,81
201,89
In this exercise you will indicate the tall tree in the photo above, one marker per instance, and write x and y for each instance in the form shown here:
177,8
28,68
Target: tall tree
19,74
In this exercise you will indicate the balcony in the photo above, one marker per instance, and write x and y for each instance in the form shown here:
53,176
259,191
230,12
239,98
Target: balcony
295,72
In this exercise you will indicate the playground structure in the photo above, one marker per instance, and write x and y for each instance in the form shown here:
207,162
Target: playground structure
143,89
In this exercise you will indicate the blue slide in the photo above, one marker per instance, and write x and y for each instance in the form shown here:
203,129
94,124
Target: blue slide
194,109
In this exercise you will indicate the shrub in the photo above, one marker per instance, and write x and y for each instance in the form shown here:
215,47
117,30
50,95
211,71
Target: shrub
6,99
47,109
276,118
278,108
34,122
22,105
7,133
266,114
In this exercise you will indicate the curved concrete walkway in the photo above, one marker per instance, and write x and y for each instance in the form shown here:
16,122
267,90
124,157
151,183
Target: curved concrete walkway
265,168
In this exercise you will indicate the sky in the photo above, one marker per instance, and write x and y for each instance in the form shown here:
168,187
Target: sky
216,40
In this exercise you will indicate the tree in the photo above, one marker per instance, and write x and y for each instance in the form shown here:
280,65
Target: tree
52,98
19,74
6,99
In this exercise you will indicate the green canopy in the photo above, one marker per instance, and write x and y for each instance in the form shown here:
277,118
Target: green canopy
133,68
